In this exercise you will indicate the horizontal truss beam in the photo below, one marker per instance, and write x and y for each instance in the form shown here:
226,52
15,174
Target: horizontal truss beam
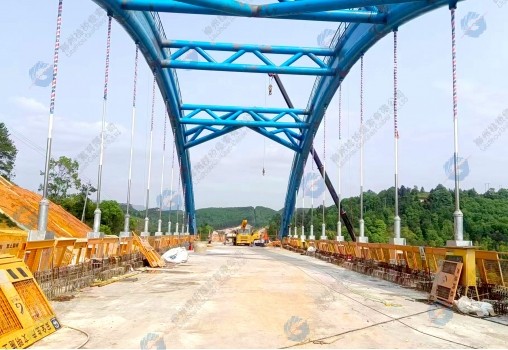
247,68
348,16
274,49
248,123
273,110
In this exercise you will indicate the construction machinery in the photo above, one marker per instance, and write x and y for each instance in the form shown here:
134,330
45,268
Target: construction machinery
245,236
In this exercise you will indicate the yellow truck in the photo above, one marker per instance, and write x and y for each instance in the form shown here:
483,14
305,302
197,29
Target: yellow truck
244,236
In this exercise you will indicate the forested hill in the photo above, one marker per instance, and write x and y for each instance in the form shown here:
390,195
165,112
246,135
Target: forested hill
228,217
426,217
217,218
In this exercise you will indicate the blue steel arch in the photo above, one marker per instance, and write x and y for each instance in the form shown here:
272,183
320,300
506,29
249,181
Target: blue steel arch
362,24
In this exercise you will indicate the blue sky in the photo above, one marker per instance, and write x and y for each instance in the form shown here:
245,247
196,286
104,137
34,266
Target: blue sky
425,121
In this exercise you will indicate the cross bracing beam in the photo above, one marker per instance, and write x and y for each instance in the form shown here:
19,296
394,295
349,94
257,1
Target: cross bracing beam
272,110
273,49
264,120
268,67
248,123
349,16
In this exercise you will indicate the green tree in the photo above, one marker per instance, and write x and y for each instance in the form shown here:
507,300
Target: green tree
204,230
112,216
274,226
8,153
63,177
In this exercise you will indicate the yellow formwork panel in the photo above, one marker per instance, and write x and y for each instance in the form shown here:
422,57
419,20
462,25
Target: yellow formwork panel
11,241
26,315
154,259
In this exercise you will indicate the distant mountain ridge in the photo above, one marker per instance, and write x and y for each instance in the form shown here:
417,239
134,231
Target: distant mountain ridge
218,218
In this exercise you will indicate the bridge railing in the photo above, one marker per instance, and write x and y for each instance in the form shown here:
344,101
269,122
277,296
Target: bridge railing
490,267
64,265
55,253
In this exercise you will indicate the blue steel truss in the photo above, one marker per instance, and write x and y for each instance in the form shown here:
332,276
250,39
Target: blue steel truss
361,23
257,119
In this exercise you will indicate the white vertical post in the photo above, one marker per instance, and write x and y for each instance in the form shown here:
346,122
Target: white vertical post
458,217
340,238
42,220
302,236
97,212
126,229
146,232
396,220
362,237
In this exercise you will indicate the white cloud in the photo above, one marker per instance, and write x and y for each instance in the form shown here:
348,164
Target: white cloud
30,105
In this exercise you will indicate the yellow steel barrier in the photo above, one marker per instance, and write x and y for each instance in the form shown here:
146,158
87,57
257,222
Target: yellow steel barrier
38,254
79,251
489,267
26,315
125,246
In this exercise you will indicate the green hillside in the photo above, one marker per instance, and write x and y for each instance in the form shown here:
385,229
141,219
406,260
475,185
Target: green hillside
218,218
426,217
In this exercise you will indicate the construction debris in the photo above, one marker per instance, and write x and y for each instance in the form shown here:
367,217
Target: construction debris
176,255
153,258
469,306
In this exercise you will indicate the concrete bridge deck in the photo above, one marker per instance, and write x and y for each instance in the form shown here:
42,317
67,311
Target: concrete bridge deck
252,297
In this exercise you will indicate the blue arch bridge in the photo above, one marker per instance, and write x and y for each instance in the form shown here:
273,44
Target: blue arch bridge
360,24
